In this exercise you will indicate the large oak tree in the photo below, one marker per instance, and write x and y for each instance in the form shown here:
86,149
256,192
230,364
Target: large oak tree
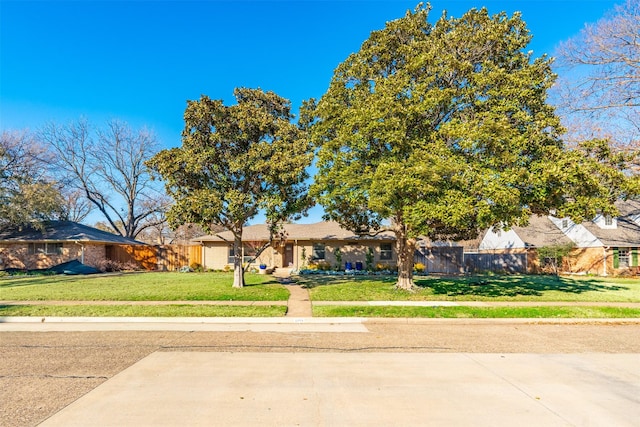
236,161
442,130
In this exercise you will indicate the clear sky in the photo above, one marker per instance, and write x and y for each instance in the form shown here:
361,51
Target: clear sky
139,61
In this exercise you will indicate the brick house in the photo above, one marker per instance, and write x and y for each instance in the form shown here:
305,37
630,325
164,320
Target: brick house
605,245
60,241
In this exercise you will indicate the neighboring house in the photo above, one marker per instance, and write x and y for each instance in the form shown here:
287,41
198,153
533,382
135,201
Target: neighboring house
59,241
602,246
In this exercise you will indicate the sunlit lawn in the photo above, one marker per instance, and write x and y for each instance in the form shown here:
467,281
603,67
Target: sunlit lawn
163,286
173,310
477,312
474,288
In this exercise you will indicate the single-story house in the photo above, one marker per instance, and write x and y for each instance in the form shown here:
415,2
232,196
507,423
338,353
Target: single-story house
321,245
60,241
602,246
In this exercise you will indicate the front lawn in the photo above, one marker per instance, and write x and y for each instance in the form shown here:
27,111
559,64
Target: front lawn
173,310
474,288
163,286
477,312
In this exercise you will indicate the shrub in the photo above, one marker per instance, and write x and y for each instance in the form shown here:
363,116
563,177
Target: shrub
108,266
419,267
195,266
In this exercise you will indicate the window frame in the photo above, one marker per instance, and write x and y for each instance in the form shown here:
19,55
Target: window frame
46,248
315,251
386,254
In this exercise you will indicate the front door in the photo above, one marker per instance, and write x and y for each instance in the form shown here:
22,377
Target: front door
288,255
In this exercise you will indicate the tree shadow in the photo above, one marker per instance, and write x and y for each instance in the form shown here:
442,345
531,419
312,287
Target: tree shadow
513,286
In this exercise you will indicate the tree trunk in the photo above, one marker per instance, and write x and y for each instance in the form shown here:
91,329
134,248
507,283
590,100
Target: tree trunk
406,249
238,270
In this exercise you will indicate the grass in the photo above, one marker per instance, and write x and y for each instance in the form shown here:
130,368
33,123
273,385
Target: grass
476,312
142,287
475,288
173,310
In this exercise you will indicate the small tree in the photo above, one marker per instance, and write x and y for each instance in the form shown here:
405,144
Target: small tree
234,162
27,195
554,255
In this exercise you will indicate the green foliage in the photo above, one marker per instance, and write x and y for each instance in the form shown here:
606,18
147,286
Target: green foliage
338,254
236,161
444,129
27,196
369,258
555,254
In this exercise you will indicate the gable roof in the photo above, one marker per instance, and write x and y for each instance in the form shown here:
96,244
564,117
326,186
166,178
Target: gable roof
627,231
541,232
63,231
321,231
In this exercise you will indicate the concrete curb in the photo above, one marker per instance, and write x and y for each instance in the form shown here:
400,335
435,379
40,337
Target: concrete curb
311,320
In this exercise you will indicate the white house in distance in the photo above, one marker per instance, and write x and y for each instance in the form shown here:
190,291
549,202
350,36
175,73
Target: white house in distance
605,245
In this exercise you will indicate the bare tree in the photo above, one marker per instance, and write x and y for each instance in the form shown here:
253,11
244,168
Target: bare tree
107,167
598,93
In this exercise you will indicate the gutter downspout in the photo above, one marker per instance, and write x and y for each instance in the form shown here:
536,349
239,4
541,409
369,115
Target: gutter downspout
81,251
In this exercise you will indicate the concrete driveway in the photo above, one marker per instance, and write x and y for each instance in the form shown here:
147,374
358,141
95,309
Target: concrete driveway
464,372
372,389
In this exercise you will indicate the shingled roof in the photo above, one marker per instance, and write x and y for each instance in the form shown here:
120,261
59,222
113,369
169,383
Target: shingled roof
321,231
63,231
541,232
627,231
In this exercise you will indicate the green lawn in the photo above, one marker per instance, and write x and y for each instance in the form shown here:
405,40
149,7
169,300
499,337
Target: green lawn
475,288
476,312
173,310
141,287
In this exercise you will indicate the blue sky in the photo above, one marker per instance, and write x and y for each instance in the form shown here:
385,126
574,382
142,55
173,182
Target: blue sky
139,61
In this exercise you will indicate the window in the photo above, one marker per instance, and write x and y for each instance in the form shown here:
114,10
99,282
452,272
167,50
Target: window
45,248
608,220
623,258
318,251
565,223
386,252
249,252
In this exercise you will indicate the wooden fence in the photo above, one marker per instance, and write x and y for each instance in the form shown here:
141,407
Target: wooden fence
498,262
436,259
164,257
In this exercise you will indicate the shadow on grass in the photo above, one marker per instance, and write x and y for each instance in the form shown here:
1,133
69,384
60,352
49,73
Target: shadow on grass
511,286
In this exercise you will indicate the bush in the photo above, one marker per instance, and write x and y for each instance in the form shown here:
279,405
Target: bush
419,267
195,266
108,266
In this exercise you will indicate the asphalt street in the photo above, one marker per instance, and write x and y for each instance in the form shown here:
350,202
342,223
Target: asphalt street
480,372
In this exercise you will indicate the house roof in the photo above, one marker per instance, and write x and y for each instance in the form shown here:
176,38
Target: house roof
321,231
541,232
63,231
627,232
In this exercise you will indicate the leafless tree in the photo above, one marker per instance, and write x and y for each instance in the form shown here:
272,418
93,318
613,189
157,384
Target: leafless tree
598,92
107,167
